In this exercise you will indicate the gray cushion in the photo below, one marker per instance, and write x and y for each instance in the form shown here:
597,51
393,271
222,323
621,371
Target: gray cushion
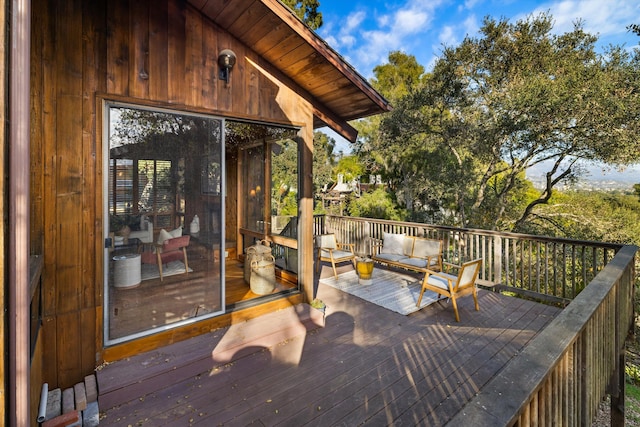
440,282
336,254
390,257
415,262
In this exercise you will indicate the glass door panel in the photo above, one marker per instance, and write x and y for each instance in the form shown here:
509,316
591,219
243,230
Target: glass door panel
284,202
164,173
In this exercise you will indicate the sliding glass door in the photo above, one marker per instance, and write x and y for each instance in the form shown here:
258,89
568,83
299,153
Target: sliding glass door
164,227
268,200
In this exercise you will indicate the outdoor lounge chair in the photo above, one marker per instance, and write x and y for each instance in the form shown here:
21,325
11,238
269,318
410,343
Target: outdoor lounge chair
450,286
331,251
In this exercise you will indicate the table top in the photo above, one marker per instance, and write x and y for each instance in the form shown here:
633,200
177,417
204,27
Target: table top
125,256
126,243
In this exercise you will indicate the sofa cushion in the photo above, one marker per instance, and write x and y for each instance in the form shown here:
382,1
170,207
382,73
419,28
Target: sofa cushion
441,282
407,246
415,262
391,257
337,254
393,244
426,247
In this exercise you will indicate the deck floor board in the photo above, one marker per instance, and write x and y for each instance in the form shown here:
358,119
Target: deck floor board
367,365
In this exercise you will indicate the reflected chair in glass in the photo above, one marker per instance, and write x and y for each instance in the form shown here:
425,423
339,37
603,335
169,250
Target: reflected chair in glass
170,250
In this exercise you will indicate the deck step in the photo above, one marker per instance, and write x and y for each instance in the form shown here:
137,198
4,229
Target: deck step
137,376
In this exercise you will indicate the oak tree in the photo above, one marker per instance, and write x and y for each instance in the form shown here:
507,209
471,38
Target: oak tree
499,104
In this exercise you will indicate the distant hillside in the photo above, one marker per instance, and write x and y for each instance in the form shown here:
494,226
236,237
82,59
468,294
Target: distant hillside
597,178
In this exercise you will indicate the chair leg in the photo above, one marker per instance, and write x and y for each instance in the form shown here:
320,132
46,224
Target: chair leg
159,265
420,297
186,261
475,298
455,307
335,273
426,277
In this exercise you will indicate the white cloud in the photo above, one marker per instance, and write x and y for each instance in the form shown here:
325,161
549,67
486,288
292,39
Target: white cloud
469,4
347,41
600,19
399,28
448,36
410,22
353,21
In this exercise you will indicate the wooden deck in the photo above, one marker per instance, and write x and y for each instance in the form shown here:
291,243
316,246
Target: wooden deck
368,365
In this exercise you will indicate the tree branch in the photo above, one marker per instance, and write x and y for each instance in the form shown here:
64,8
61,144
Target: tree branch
548,191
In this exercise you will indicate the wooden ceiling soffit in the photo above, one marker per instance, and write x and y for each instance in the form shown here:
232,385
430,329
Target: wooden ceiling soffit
251,35
233,10
248,21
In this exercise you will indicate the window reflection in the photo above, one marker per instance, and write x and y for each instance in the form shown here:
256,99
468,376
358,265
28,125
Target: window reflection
165,169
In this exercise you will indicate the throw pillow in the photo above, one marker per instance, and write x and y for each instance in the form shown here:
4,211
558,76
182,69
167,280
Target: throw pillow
392,244
176,233
164,235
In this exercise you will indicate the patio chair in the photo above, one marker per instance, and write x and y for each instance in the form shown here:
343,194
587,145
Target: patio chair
453,287
331,251
169,250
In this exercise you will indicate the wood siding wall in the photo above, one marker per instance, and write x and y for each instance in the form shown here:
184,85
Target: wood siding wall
156,52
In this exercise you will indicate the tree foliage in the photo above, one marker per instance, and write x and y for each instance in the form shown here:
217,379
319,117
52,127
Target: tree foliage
515,97
349,167
595,216
376,204
307,11
395,80
323,160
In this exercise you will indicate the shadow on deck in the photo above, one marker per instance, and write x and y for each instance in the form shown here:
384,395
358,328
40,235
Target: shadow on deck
367,365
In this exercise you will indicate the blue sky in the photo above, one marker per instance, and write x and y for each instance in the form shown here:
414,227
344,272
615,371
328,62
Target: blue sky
365,31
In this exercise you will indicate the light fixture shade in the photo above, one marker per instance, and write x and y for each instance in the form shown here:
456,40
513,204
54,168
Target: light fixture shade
227,59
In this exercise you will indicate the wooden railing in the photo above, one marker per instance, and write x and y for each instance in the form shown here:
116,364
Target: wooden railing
544,267
562,375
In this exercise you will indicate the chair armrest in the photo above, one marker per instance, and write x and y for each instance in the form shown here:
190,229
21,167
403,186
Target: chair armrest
450,265
349,245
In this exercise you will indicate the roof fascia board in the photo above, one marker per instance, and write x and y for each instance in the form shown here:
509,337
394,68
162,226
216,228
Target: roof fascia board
287,16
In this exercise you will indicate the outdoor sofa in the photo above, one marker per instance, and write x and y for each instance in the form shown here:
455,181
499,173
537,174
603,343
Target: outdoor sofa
408,252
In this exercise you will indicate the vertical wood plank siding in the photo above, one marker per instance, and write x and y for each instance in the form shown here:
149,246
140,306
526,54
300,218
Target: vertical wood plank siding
161,53
556,268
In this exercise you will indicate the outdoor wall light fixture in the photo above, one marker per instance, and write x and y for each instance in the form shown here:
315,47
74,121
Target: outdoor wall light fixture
226,61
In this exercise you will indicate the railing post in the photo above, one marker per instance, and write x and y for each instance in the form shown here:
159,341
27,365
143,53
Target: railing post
617,397
497,260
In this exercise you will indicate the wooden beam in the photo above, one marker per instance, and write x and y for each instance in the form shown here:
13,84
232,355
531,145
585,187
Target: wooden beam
335,123
18,254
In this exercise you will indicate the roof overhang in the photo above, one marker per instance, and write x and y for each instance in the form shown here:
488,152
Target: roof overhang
336,90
